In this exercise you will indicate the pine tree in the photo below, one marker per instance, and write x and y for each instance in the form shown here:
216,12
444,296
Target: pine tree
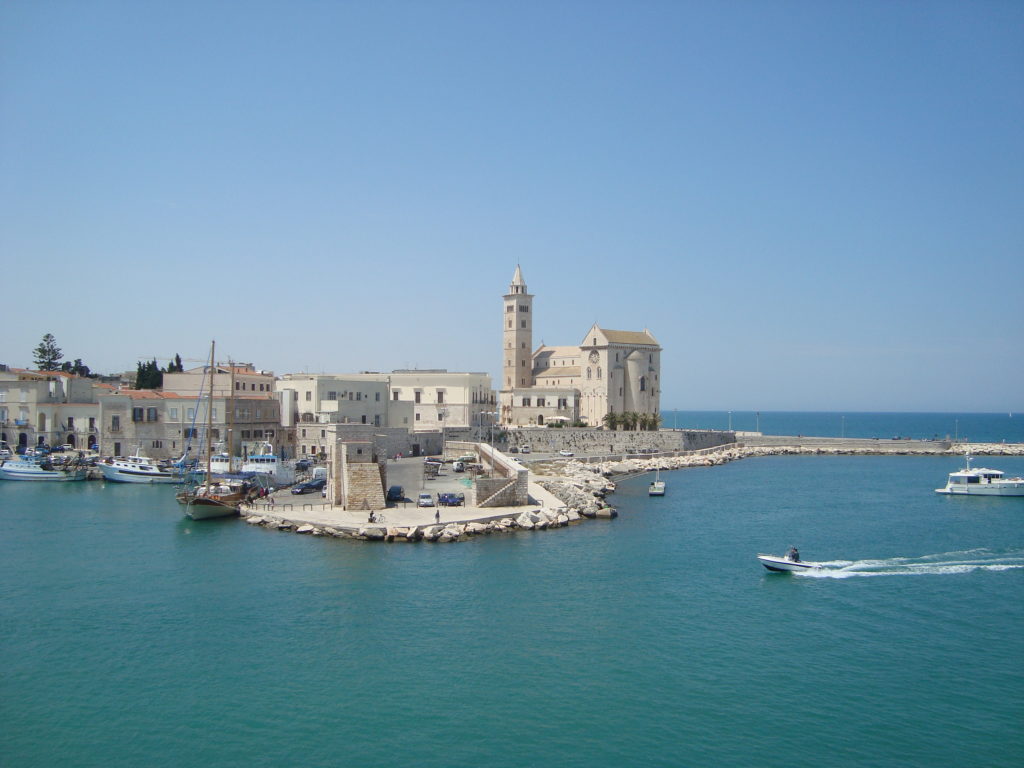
47,355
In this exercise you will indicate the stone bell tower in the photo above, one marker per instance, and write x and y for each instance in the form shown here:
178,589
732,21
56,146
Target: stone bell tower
517,341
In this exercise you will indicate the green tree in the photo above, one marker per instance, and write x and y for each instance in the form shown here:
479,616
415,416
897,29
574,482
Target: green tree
611,421
175,366
148,376
78,367
47,355
630,419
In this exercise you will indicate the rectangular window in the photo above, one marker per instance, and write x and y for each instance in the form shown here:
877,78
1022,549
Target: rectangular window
526,402
157,444
191,413
245,434
417,417
522,323
191,432
215,434
115,423
92,422
323,433
418,394
332,395
376,396
394,395
359,395
309,396
524,308
172,414
509,308
540,402
364,418
440,397
151,414
138,414
376,420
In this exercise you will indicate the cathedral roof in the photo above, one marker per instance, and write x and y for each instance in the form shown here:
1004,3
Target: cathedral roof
517,278
557,372
629,337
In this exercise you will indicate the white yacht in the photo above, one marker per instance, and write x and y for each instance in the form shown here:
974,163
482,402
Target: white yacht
41,468
138,469
982,482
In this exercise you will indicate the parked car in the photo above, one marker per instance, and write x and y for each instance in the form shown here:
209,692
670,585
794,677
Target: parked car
310,486
564,452
303,464
513,449
526,449
448,500
425,500
458,466
396,493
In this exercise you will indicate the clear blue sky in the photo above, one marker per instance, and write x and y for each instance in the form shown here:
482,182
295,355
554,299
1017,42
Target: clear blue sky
812,205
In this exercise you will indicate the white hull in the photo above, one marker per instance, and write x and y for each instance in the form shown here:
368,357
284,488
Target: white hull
998,488
117,474
209,511
46,475
656,488
781,564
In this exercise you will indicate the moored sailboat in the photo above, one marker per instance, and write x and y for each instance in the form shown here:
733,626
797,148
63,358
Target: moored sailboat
211,497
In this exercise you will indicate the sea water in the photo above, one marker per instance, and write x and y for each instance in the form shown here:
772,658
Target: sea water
977,427
131,636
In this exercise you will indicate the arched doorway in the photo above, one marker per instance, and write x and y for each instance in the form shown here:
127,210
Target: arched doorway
70,440
540,419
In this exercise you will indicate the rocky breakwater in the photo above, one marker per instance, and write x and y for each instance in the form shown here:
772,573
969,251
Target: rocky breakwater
529,520
580,479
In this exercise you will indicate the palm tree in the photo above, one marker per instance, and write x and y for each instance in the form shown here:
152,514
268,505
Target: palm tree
611,421
629,419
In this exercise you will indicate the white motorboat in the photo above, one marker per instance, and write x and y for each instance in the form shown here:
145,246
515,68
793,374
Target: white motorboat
138,469
982,482
657,486
266,462
41,468
782,564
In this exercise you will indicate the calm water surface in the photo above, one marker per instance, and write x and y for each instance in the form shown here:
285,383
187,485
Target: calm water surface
130,636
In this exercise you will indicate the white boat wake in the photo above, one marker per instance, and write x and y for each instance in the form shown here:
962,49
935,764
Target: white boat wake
967,561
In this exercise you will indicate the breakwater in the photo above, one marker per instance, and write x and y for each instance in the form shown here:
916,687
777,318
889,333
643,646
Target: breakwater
567,492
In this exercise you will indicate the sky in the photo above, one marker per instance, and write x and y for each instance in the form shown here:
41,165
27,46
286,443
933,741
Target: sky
812,206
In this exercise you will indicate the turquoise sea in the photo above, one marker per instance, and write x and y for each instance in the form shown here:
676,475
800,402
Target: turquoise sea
132,637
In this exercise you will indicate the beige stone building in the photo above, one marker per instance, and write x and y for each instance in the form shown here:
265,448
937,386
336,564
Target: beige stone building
607,372
49,407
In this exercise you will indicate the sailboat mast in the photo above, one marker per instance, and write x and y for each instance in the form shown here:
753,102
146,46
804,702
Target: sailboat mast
209,417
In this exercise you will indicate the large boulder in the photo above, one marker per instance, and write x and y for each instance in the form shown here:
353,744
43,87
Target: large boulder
373,532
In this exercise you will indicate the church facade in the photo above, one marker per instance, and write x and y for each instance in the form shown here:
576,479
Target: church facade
607,372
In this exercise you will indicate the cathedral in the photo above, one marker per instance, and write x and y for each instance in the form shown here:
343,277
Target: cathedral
608,372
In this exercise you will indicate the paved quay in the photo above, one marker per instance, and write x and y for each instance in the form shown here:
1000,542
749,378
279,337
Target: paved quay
313,510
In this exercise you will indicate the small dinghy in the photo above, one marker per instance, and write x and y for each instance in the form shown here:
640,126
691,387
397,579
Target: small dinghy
782,564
